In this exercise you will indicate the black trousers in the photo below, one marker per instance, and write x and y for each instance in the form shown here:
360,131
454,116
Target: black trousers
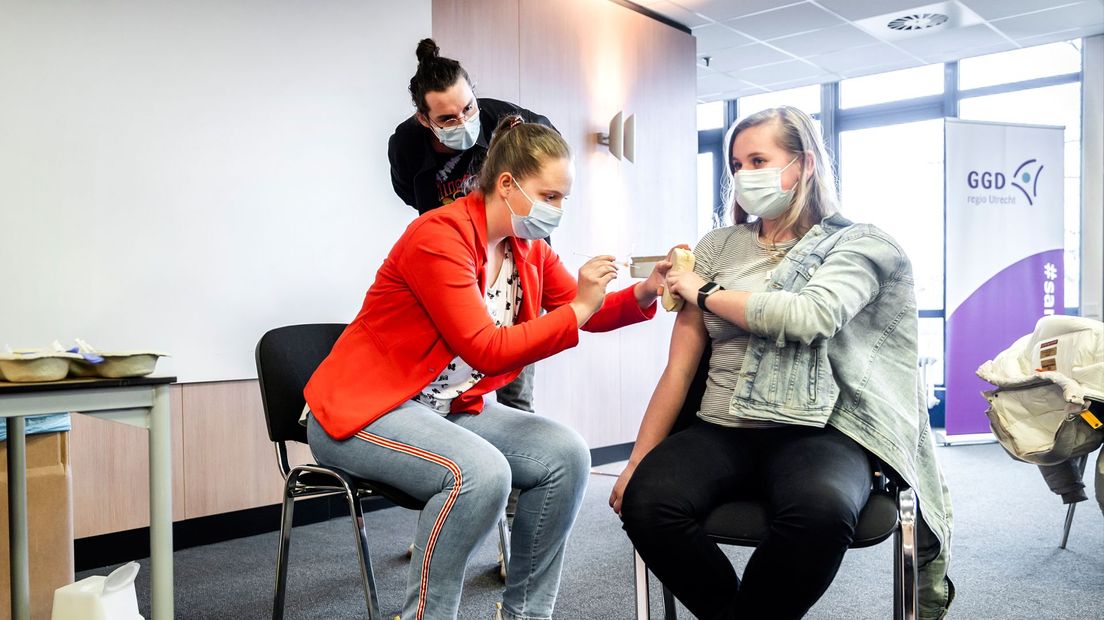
815,481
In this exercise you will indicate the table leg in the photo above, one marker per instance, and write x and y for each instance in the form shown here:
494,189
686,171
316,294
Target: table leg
161,547
17,519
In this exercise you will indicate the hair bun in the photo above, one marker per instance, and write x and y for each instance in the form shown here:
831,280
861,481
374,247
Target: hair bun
509,122
505,124
427,50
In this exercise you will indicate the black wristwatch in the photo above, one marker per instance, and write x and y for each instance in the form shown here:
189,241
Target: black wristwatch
706,290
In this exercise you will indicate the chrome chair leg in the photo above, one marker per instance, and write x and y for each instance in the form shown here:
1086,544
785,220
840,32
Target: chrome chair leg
1081,462
1069,522
357,513
669,610
286,514
504,545
640,571
904,559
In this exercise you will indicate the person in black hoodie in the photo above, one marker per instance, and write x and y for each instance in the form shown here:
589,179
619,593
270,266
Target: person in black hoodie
436,152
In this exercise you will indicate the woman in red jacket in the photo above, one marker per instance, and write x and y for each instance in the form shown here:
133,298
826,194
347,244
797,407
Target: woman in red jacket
454,313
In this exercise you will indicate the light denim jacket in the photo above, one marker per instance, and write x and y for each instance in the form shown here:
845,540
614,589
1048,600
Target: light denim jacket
835,342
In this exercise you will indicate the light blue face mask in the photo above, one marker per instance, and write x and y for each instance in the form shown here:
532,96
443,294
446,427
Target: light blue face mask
459,138
543,218
760,192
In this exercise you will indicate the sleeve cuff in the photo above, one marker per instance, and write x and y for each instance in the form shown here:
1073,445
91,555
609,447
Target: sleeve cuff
763,318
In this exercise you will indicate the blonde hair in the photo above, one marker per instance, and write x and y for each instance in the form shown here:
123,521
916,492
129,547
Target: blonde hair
521,149
815,196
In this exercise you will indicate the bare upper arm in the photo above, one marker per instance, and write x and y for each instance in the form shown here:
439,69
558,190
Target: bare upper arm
688,340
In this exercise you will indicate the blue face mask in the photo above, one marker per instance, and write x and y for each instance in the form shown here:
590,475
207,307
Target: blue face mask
759,192
459,138
543,218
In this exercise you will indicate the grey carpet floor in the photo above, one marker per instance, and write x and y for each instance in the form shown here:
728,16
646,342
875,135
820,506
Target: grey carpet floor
1006,563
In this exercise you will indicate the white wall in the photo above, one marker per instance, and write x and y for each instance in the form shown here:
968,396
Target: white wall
1092,175
185,175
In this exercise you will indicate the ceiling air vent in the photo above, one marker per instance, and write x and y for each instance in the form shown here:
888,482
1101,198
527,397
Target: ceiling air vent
918,21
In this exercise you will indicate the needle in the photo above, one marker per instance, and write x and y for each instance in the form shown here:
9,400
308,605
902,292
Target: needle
623,263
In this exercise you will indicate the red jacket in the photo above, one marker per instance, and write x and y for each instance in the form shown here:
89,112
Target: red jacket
426,307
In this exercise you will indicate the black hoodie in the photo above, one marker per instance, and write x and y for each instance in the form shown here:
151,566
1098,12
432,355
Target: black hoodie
415,164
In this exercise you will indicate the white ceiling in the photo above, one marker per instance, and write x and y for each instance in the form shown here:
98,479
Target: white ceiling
756,46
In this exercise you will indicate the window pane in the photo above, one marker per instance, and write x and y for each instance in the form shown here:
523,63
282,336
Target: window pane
930,341
711,115
806,99
1053,105
707,193
900,190
892,86
1018,65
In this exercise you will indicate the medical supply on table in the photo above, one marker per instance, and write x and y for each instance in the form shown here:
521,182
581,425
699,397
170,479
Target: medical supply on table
57,362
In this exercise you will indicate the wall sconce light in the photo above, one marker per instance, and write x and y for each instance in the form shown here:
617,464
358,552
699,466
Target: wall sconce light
621,138
628,138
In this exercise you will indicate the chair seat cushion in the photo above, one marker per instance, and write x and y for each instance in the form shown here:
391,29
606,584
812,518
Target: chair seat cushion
745,523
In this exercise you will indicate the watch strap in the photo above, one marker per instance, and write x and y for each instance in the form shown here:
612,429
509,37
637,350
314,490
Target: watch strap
705,291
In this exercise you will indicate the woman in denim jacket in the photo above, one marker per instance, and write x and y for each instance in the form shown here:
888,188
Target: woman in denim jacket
813,368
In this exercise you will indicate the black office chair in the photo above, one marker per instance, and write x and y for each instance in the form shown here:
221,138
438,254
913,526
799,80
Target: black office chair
286,359
890,511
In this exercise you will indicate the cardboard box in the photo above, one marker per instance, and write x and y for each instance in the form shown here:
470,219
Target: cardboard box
49,519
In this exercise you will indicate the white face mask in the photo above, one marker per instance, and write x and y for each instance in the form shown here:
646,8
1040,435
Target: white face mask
543,218
461,137
760,192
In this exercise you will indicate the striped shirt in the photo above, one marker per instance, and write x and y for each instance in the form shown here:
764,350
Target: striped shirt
735,258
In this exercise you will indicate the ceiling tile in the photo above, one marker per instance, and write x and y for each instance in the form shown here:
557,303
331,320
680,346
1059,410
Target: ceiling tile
996,9
717,82
784,21
857,58
948,55
1054,20
878,68
678,13
824,41
732,94
1062,35
752,89
715,37
950,40
861,9
818,78
778,72
745,56
720,10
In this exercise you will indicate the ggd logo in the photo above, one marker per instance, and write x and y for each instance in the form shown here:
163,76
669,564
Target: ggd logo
1023,179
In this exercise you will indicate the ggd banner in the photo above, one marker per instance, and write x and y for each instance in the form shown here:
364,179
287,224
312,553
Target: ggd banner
1004,238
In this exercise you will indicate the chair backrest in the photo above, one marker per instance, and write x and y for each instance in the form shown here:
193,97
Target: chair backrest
286,359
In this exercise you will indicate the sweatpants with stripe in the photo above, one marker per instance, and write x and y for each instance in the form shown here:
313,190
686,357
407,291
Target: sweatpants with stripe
464,466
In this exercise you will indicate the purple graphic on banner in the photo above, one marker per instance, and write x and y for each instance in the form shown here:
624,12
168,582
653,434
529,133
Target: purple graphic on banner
1006,307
